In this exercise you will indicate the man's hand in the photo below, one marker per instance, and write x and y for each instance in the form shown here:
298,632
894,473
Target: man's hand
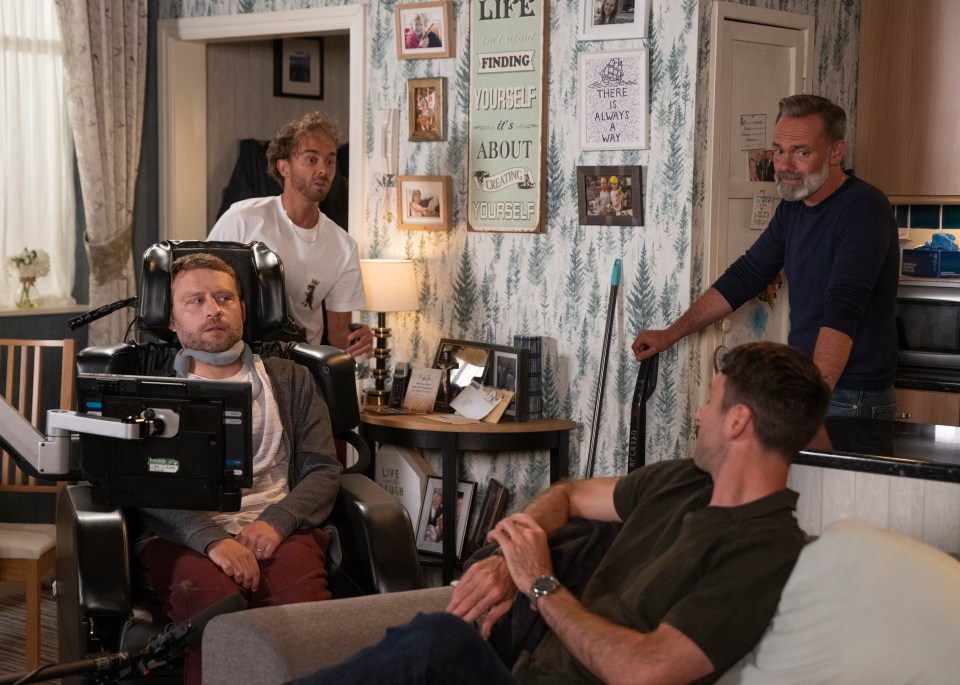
485,593
360,342
524,546
237,562
260,538
649,343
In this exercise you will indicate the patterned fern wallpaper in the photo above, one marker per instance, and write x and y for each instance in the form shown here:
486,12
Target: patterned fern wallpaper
488,287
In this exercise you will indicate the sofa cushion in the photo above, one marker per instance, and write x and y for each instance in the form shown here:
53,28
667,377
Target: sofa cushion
277,644
862,605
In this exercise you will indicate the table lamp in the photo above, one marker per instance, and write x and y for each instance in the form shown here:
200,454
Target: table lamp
391,286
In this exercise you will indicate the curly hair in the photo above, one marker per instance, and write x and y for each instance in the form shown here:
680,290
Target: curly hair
287,139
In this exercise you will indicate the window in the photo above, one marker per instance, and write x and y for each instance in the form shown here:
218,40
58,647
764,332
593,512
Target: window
37,207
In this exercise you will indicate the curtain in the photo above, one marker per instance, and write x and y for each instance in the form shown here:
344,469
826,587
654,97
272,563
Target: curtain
105,60
37,207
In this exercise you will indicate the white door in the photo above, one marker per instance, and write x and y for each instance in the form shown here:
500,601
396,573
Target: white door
760,56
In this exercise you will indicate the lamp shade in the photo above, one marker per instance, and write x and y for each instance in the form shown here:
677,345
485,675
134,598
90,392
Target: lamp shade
390,285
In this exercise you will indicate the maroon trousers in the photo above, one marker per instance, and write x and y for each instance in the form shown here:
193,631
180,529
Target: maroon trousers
187,582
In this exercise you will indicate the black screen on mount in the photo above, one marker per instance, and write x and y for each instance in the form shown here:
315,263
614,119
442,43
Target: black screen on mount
203,466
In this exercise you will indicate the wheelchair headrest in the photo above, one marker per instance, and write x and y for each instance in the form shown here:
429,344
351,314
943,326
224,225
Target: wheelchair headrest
258,268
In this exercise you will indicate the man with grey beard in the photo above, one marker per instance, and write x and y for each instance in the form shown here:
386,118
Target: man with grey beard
835,238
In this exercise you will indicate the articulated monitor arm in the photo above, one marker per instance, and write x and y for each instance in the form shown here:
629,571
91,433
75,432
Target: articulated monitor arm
57,456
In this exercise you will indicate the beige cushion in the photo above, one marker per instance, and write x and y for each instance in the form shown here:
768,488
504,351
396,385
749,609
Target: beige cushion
26,540
863,605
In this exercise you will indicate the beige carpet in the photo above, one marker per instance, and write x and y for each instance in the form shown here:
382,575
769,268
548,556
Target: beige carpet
13,646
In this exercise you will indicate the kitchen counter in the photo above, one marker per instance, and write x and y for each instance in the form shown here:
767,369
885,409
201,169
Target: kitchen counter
893,448
922,378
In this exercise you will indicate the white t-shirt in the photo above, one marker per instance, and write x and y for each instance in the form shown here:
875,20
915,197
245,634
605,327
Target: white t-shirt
319,264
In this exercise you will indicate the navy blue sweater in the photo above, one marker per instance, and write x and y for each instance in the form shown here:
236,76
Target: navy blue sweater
841,260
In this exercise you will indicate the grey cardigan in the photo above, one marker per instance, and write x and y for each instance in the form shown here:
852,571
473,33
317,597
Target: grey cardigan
314,472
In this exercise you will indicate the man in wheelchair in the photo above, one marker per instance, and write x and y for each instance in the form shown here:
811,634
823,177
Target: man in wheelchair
271,550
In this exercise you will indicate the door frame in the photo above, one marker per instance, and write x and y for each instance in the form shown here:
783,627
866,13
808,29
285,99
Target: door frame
182,95
713,222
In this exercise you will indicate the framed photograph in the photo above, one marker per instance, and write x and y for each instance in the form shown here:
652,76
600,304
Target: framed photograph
508,371
472,361
610,195
609,19
423,203
433,518
426,108
425,30
613,100
298,68
491,511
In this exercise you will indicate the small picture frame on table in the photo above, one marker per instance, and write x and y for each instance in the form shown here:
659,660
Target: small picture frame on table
610,195
425,30
425,109
298,68
423,203
612,19
432,517
472,360
509,371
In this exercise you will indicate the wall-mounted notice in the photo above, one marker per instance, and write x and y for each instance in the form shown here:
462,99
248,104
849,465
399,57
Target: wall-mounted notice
753,131
507,115
613,100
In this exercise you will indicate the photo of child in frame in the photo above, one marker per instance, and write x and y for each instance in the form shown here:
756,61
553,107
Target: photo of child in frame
426,110
609,195
421,204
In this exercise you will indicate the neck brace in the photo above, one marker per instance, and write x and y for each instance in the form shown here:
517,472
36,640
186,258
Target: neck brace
181,363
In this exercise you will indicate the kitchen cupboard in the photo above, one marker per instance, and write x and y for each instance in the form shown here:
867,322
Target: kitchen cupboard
927,406
907,128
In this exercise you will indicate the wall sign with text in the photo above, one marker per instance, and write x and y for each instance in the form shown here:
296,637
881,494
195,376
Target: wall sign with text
613,100
507,115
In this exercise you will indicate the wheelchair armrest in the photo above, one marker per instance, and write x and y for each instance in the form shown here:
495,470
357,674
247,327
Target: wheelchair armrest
335,373
379,549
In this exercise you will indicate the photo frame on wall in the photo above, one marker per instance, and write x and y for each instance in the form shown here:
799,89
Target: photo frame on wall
613,100
508,371
423,203
298,68
425,30
426,109
610,19
610,195
433,518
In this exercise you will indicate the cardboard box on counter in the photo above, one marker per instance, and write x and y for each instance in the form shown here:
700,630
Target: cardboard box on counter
931,263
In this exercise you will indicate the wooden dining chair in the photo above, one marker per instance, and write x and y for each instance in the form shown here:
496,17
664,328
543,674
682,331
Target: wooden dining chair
35,375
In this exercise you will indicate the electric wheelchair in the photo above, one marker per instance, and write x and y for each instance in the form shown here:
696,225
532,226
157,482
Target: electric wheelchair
103,602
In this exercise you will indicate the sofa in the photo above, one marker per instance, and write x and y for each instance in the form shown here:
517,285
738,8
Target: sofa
863,605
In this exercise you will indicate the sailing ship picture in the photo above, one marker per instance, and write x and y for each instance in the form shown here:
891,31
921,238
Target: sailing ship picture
613,100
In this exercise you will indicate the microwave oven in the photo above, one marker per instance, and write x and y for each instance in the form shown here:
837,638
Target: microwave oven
928,323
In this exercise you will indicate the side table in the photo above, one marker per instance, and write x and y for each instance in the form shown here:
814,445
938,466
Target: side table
417,431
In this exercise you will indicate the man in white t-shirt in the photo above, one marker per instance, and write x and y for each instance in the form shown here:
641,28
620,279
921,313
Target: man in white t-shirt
320,260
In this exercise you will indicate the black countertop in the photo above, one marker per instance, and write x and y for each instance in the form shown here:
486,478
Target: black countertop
893,448
922,378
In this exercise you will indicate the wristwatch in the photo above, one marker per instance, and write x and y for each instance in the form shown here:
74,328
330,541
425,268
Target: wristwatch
542,587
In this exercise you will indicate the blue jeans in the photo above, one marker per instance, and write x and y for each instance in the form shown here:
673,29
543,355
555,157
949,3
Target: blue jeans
433,648
868,404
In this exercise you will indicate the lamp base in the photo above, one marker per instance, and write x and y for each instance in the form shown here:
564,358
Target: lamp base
376,397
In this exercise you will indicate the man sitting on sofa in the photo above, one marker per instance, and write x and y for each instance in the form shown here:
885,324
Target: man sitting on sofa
271,550
686,588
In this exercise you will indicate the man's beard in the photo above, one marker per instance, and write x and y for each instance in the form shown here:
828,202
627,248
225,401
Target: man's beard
308,191
196,341
811,183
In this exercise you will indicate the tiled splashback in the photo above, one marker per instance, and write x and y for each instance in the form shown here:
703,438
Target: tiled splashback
936,217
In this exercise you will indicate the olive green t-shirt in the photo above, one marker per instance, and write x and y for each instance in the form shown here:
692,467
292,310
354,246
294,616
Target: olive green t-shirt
714,573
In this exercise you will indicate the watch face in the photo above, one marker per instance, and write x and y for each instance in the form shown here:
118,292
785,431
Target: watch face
544,585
